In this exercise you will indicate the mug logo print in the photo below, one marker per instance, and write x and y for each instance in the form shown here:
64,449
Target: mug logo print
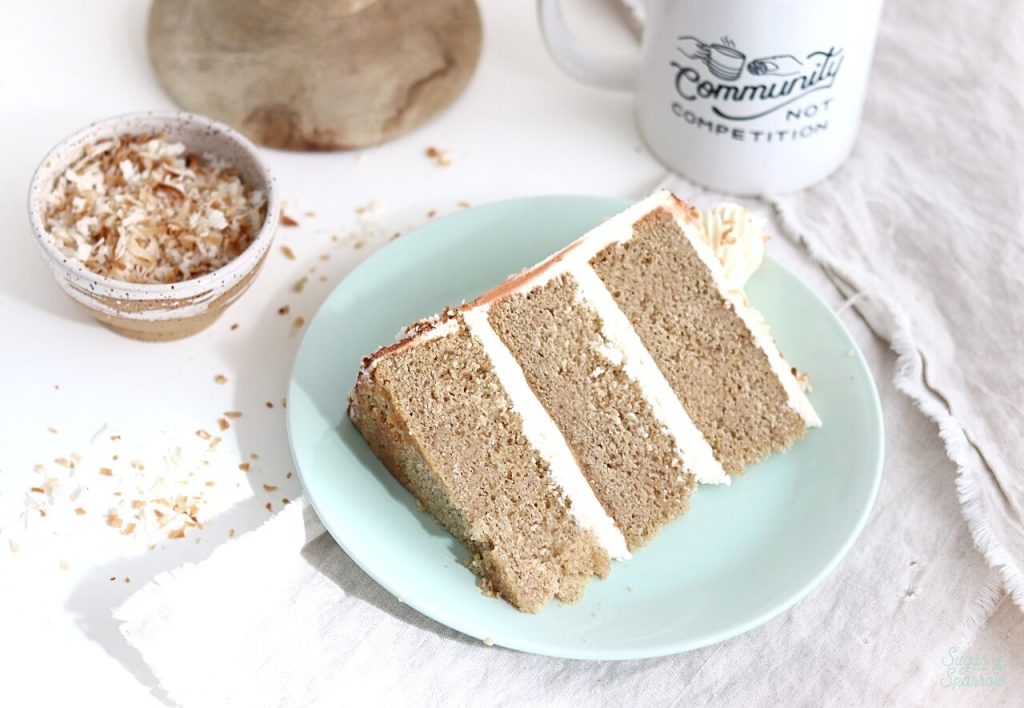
778,80
726,62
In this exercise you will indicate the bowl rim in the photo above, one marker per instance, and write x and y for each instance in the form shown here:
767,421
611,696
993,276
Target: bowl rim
234,269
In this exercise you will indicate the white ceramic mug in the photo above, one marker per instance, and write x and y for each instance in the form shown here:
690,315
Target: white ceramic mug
743,96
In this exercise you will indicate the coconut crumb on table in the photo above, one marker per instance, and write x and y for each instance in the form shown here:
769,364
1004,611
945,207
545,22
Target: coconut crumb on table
140,209
269,487
220,379
370,207
441,158
232,414
288,253
283,310
287,220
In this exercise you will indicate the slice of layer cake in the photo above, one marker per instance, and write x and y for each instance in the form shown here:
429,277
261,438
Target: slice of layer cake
560,420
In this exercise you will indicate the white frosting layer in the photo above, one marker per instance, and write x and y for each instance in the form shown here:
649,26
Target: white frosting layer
737,239
626,349
545,437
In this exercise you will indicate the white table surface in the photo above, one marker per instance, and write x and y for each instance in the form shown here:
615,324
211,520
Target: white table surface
68,384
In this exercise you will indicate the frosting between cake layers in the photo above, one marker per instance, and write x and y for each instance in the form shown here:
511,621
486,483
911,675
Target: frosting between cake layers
546,438
624,347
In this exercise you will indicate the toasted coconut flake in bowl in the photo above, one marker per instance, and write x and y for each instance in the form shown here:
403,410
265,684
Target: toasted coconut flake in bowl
154,222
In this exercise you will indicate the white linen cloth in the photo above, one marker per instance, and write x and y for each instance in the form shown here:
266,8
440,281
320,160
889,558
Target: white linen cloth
282,617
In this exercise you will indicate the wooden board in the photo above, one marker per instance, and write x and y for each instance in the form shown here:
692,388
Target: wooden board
315,74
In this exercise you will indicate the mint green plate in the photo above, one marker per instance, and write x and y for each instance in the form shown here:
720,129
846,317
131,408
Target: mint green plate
741,556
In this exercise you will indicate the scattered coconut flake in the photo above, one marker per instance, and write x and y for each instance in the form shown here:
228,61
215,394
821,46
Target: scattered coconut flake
288,253
287,220
220,379
371,207
441,158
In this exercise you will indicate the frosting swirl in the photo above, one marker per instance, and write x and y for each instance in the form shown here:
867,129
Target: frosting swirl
737,239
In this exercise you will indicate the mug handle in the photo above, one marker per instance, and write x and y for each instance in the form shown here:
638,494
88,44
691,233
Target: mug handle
618,73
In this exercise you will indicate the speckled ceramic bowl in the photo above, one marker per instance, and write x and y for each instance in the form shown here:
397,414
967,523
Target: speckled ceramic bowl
157,311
